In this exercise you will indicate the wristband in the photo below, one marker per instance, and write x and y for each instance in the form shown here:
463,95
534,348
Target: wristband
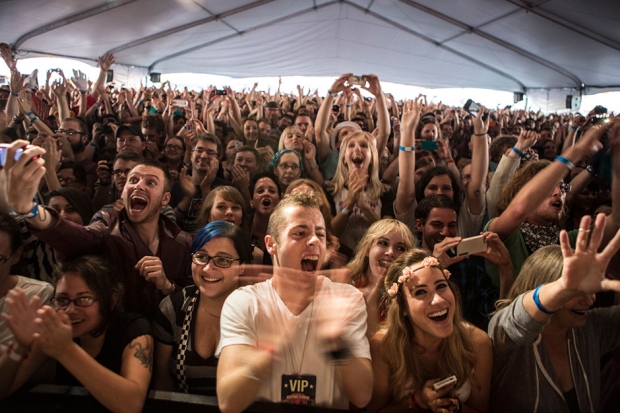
480,134
449,161
340,356
13,355
574,127
518,152
180,210
346,211
567,162
33,120
33,213
16,119
92,144
539,304
329,92
14,94
407,148
29,113
347,106
590,171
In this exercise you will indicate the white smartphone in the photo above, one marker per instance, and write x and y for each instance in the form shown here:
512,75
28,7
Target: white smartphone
471,245
182,103
444,383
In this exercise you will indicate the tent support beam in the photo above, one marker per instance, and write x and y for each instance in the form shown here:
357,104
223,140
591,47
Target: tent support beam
69,20
177,29
566,24
493,39
438,44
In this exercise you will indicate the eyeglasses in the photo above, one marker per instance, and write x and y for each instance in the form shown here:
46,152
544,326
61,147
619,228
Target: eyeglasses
285,166
118,172
5,259
63,302
67,180
219,261
200,151
564,187
175,147
69,132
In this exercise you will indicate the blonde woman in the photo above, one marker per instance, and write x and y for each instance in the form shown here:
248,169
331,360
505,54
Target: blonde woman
546,335
383,243
359,196
426,340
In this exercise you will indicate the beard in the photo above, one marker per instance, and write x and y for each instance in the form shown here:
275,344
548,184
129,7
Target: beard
78,147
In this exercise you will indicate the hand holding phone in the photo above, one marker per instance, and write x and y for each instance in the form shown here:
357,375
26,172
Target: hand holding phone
469,246
444,383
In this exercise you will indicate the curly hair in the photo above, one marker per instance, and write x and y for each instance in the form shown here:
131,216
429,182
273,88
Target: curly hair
518,181
401,349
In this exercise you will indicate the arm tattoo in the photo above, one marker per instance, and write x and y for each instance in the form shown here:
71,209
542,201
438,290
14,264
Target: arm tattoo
144,354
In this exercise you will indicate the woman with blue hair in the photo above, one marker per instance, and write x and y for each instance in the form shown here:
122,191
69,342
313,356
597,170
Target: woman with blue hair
187,325
288,166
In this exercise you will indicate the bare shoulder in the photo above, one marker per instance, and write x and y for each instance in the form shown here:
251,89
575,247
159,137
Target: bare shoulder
479,338
377,339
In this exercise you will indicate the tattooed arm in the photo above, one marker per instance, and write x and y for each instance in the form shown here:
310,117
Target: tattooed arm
119,393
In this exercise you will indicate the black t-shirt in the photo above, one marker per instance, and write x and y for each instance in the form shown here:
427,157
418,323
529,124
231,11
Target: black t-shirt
118,336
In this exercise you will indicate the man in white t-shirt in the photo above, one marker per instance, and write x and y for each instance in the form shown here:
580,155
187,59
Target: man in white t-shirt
296,338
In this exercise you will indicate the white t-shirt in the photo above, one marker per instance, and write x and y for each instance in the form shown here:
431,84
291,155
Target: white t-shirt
255,315
31,287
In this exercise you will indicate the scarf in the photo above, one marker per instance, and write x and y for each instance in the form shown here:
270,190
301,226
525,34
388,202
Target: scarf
537,236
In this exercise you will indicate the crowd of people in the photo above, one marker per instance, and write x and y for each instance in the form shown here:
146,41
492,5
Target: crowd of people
319,248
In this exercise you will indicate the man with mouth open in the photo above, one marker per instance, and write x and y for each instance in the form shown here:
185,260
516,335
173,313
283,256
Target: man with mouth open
296,338
143,245
532,202
436,223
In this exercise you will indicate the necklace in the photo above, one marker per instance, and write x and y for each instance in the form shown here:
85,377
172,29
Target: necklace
208,313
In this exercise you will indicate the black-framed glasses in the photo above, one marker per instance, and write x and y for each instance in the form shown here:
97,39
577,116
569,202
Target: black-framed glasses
200,151
69,132
5,259
118,172
67,180
63,302
175,147
201,259
564,187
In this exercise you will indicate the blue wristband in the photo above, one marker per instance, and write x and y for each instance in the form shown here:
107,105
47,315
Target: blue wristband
29,113
569,164
33,213
33,120
14,94
574,128
180,210
518,152
407,148
329,92
539,304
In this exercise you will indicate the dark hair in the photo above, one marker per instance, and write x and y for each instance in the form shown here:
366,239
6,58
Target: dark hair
429,175
98,274
224,229
79,200
261,175
209,137
13,229
78,170
426,205
247,148
156,164
499,145
129,156
175,118
80,121
155,122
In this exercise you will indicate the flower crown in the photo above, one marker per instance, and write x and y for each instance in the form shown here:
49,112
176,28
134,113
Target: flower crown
407,273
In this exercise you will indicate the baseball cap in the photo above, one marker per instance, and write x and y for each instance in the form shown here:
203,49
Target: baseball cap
134,129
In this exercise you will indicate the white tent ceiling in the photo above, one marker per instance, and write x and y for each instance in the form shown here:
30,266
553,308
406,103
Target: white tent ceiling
506,45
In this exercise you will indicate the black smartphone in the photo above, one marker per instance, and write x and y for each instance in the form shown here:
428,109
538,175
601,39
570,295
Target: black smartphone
109,77
220,92
473,108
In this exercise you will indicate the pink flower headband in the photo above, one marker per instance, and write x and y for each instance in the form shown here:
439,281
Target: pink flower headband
408,273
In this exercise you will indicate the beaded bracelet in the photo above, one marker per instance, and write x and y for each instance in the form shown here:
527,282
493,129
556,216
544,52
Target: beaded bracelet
539,304
569,164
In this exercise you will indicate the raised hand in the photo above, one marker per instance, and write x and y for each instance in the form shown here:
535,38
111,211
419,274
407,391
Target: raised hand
55,334
23,314
106,61
23,176
411,116
374,86
59,87
339,84
584,268
79,81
